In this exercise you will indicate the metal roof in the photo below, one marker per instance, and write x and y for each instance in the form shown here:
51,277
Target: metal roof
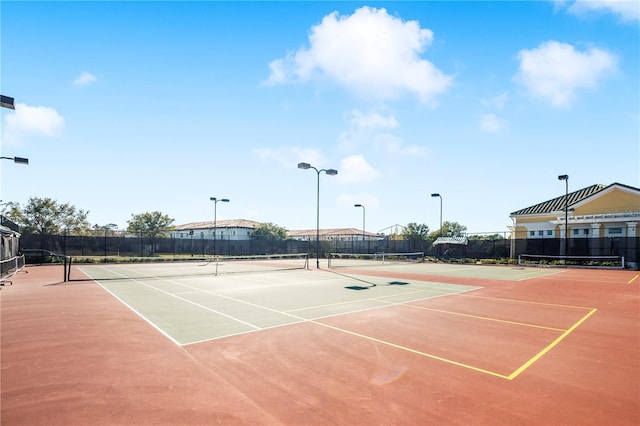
558,204
330,232
451,240
232,223
7,231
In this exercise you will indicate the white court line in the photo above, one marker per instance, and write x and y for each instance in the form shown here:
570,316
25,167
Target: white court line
186,300
134,310
296,319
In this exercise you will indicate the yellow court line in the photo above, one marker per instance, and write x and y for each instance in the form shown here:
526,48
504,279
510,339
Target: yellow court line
529,302
404,348
511,376
539,355
523,324
377,299
633,279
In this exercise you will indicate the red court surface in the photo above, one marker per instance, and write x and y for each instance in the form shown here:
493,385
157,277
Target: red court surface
563,349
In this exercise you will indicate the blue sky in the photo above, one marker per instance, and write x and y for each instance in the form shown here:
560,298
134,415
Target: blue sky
129,107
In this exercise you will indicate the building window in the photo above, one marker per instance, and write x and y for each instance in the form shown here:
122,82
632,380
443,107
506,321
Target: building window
532,233
615,231
576,232
586,232
549,232
540,233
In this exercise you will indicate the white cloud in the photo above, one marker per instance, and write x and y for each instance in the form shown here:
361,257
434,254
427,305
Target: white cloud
496,102
28,121
363,127
626,10
556,71
370,129
85,78
492,123
289,156
370,53
355,169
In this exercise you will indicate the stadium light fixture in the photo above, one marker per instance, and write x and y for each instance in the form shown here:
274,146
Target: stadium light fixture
330,172
215,219
7,102
17,160
565,178
363,217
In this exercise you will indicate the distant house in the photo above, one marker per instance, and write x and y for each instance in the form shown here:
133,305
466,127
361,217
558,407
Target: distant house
242,229
593,212
230,230
335,234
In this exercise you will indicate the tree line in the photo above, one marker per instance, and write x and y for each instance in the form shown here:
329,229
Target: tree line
46,216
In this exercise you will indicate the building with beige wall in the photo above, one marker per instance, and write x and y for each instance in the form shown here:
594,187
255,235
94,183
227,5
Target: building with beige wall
595,212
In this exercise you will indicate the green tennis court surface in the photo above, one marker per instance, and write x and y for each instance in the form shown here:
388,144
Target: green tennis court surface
509,273
197,308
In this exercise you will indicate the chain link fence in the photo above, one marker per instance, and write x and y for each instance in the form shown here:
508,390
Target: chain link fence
476,249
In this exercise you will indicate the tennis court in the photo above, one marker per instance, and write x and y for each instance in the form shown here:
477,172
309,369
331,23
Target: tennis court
358,343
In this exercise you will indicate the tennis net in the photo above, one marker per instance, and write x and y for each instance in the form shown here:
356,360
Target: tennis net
604,262
158,267
346,260
10,267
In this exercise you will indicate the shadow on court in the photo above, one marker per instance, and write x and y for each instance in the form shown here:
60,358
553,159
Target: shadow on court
369,283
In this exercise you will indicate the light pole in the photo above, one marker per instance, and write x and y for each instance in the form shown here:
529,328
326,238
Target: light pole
438,195
330,172
215,219
565,178
8,102
363,216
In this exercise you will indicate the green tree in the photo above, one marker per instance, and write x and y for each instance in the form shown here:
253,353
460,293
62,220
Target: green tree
449,229
269,231
45,216
11,211
486,237
415,233
108,229
150,224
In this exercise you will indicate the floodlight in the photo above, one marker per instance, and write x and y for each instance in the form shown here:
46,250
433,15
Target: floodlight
7,102
17,160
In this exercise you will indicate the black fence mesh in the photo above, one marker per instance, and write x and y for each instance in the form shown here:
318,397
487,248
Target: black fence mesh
107,245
